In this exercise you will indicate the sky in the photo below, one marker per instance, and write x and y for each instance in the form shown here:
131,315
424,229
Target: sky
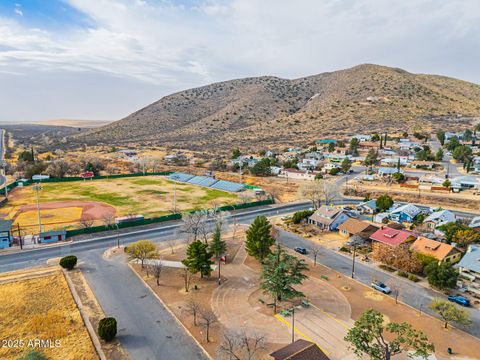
103,59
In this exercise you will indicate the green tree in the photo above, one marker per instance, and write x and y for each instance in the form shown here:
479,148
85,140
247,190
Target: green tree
441,276
439,155
450,312
261,168
369,332
398,177
318,176
453,143
280,272
447,183
466,237
141,250
198,258
371,158
90,167
258,238
236,153
467,135
218,247
346,165
441,137
334,171
451,228
331,147
26,156
462,152
384,202
68,262
375,137
354,143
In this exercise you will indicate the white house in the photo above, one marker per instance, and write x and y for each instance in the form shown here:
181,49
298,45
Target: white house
308,164
469,268
439,218
295,174
329,166
328,217
388,171
363,138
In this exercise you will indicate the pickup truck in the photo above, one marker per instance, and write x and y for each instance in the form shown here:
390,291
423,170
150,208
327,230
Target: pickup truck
380,286
459,300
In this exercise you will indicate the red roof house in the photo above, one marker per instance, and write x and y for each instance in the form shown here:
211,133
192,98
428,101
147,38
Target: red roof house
392,237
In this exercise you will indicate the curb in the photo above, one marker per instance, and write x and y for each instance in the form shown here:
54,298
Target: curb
86,320
170,312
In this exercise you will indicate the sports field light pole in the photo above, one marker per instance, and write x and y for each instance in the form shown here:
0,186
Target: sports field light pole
37,188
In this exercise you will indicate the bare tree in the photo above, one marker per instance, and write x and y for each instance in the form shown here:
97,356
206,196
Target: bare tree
208,319
171,245
234,226
156,268
193,224
319,191
315,250
395,286
187,278
193,308
240,346
108,219
86,222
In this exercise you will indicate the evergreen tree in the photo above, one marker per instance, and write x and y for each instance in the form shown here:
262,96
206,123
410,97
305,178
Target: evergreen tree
441,276
441,137
198,258
280,271
218,247
259,239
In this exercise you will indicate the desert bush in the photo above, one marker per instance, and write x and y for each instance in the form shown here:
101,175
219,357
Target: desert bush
107,328
68,262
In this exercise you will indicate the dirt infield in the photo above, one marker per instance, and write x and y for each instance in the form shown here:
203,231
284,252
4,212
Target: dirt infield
52,215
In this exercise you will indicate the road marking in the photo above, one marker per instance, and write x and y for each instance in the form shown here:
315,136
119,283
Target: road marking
332,317
281,319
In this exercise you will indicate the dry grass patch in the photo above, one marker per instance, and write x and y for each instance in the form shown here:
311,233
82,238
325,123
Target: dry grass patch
43,308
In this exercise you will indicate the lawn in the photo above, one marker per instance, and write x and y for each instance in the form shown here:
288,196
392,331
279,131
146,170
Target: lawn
43,308
150,196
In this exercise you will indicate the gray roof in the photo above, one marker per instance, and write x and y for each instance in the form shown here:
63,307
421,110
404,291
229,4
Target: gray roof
471,259
6,225
441,216
409,209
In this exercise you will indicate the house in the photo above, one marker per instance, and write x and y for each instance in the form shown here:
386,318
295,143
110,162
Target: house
469,268
393,161
317,155
308,164
363,138
388,171
358,231
295,174
439,218
443,252
300,350
330,166
328,217
275,170
52,236
381,217
420,164
5,233
464,182
367,207
431,180
392,237
405,213
475,223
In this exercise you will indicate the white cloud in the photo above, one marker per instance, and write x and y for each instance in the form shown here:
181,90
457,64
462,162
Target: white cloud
174,46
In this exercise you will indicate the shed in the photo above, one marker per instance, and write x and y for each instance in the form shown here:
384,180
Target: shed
5,233
52,236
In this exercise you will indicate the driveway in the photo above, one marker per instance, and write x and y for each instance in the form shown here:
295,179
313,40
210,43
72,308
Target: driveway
145,328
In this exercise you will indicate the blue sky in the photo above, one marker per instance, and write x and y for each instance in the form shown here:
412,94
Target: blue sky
103,59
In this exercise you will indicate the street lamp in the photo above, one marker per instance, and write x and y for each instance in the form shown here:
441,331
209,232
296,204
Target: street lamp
353,259
37,188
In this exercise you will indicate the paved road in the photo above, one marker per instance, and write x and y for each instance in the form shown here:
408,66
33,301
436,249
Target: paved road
410,293
146,329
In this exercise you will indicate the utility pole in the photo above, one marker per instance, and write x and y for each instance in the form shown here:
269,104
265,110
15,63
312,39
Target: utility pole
20,236
241,172
118,236
5,180
353,259
37,188
293,322
174,196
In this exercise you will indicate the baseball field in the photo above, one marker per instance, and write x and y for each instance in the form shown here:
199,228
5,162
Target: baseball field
66,205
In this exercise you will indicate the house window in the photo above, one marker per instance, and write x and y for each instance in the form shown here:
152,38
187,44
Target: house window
447,260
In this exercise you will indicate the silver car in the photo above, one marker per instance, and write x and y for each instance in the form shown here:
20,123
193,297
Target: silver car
380,286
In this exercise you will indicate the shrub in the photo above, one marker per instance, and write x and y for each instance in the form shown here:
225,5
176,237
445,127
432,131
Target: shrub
413,278
386,268
68,262
33,355
344,249
300,215
107,328
402,273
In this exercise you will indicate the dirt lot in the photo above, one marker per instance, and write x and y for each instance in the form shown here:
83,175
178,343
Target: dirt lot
39,305
94,199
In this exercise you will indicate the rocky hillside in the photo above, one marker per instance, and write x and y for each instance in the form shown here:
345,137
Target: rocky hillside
255,112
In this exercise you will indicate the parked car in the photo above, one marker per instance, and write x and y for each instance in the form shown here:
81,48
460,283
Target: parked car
301,250
380,286
459,300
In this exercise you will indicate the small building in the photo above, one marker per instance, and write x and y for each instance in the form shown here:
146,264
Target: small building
388,171
464,182
295,174
405,213
52,236
441,251
358,231
439,218
362,137
421,164
300,350
475,223
469,268
326,141
6,233
368,207
330,166
328,217
392,237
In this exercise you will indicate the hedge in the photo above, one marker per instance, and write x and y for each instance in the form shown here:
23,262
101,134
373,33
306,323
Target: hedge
107,328
68,262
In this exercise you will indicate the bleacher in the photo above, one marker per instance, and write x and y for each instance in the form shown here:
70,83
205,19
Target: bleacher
207,181
228,186
202,181
178,176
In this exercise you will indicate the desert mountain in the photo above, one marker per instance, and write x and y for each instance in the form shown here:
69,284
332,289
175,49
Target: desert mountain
254,112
